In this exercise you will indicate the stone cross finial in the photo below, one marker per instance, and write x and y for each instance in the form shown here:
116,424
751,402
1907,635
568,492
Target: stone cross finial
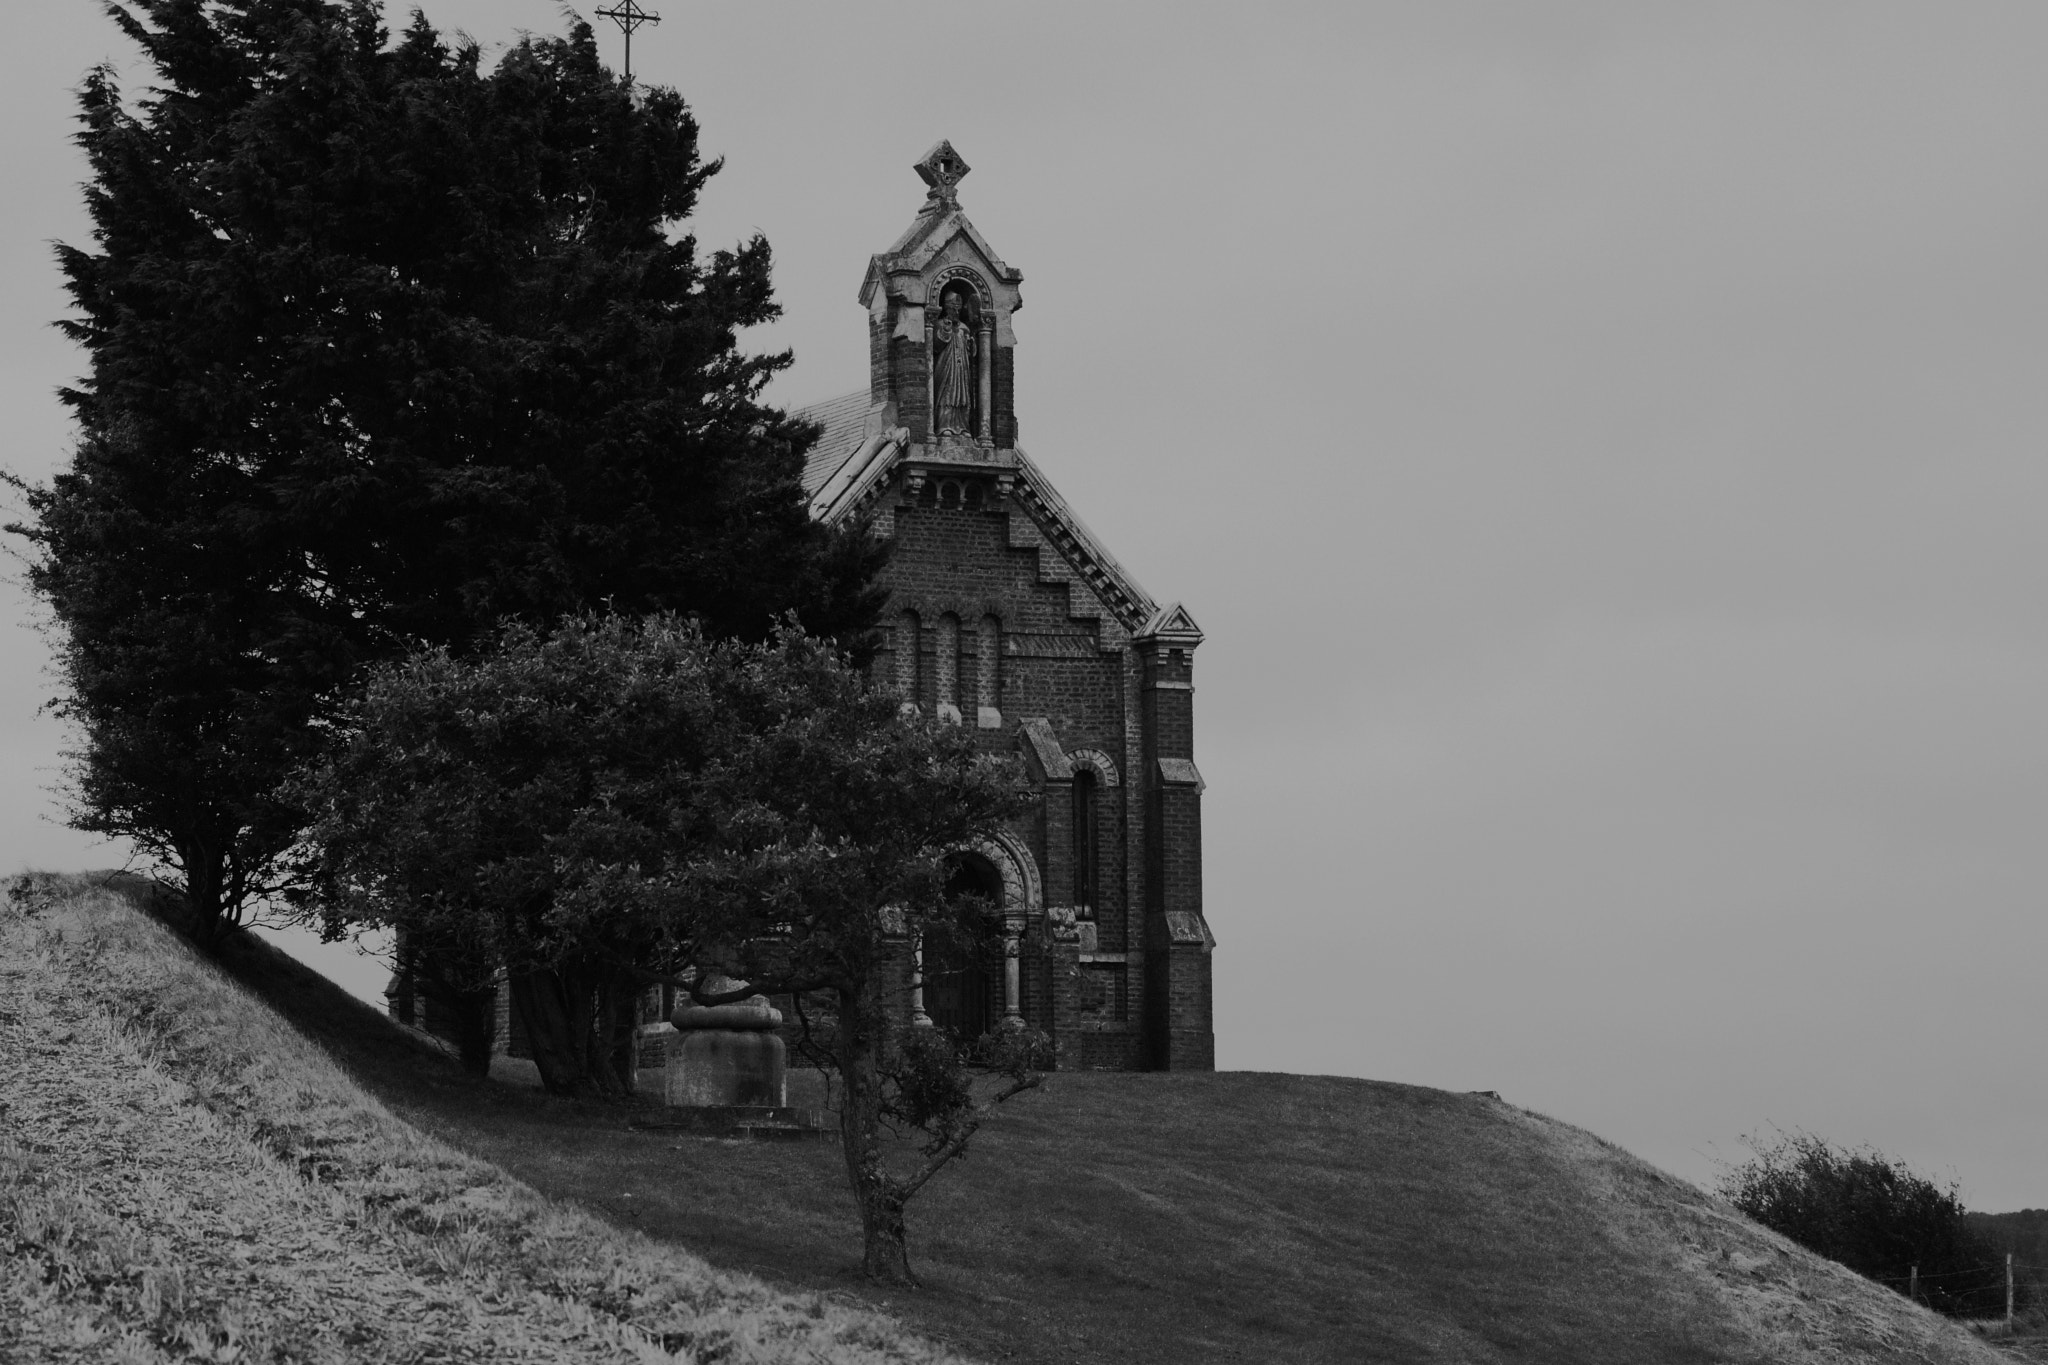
942,168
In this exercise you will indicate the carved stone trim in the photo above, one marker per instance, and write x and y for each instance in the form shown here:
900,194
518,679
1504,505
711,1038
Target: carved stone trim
1061,925
1036,739
938,282
1102,763
1013,862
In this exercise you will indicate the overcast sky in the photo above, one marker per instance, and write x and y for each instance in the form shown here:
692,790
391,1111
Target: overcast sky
1603,443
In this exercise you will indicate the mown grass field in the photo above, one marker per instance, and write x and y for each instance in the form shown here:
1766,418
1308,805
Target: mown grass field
1164,1218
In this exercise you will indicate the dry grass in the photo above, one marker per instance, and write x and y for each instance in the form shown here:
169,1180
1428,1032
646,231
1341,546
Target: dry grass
183,1176
2026,1339
1786,1303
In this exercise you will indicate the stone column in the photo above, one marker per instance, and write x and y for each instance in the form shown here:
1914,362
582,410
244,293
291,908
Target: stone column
918,1018
985,429
931,386
1013,1017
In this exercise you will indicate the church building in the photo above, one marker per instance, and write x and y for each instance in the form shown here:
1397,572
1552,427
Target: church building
1007,615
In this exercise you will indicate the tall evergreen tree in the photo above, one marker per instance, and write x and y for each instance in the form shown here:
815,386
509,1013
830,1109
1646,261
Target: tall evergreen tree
386,348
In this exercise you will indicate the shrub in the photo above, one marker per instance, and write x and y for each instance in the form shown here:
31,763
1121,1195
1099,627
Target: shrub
1873,1215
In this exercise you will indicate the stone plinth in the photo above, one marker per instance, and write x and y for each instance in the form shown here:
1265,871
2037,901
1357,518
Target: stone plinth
747,1122
722,1056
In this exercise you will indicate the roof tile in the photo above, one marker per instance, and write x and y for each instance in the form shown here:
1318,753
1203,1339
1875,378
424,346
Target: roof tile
845,421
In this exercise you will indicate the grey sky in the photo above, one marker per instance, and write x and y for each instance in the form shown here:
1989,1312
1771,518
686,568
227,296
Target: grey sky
1602,442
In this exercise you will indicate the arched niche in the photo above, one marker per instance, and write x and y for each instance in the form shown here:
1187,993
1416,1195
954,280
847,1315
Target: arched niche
959,336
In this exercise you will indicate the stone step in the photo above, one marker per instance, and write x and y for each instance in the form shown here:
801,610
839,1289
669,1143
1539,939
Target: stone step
759,1122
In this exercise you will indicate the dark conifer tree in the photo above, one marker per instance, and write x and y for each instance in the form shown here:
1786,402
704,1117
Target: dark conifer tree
385,349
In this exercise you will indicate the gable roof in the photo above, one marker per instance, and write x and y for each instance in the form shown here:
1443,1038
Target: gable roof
855,454
845,421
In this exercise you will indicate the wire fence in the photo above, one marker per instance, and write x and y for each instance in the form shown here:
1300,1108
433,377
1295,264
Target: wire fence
1996,1269
1990,1277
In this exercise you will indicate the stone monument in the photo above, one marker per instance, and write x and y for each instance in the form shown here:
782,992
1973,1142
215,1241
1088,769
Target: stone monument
724,1056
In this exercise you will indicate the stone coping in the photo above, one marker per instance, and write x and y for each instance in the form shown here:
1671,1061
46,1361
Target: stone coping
753,1014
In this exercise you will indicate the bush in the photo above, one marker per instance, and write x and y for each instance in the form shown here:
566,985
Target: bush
1873,1215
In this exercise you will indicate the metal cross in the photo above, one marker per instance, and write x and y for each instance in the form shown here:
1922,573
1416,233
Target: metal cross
628,15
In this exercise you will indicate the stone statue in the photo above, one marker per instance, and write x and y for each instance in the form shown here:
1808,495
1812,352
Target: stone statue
954,379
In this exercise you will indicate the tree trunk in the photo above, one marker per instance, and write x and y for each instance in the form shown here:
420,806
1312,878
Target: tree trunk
205,879
476,1026
611,1037
885,1253
559,1008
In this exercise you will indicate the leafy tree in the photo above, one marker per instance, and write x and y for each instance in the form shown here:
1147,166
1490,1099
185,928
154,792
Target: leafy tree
1874,1215
620,801
535,805
837,833
385,348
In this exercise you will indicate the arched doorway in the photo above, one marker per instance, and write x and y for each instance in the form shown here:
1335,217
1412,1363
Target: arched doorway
963,988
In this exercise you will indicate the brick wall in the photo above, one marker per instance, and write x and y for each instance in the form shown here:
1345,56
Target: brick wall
1005,402
881,362
1063,658
906,379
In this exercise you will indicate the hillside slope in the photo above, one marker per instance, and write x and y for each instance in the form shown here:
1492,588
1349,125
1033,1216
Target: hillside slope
1155,1218
184,1176
1256,1217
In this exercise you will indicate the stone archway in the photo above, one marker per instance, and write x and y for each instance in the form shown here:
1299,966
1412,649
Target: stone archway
962,987
1011,857
947,997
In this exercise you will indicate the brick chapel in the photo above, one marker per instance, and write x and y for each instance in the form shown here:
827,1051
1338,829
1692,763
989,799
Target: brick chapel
1008,615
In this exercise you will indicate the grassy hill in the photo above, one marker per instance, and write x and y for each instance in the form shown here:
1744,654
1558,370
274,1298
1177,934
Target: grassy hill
185,1176
1111,1218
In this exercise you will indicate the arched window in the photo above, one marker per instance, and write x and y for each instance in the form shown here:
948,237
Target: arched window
1086,842
988,685
904,646
946,668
